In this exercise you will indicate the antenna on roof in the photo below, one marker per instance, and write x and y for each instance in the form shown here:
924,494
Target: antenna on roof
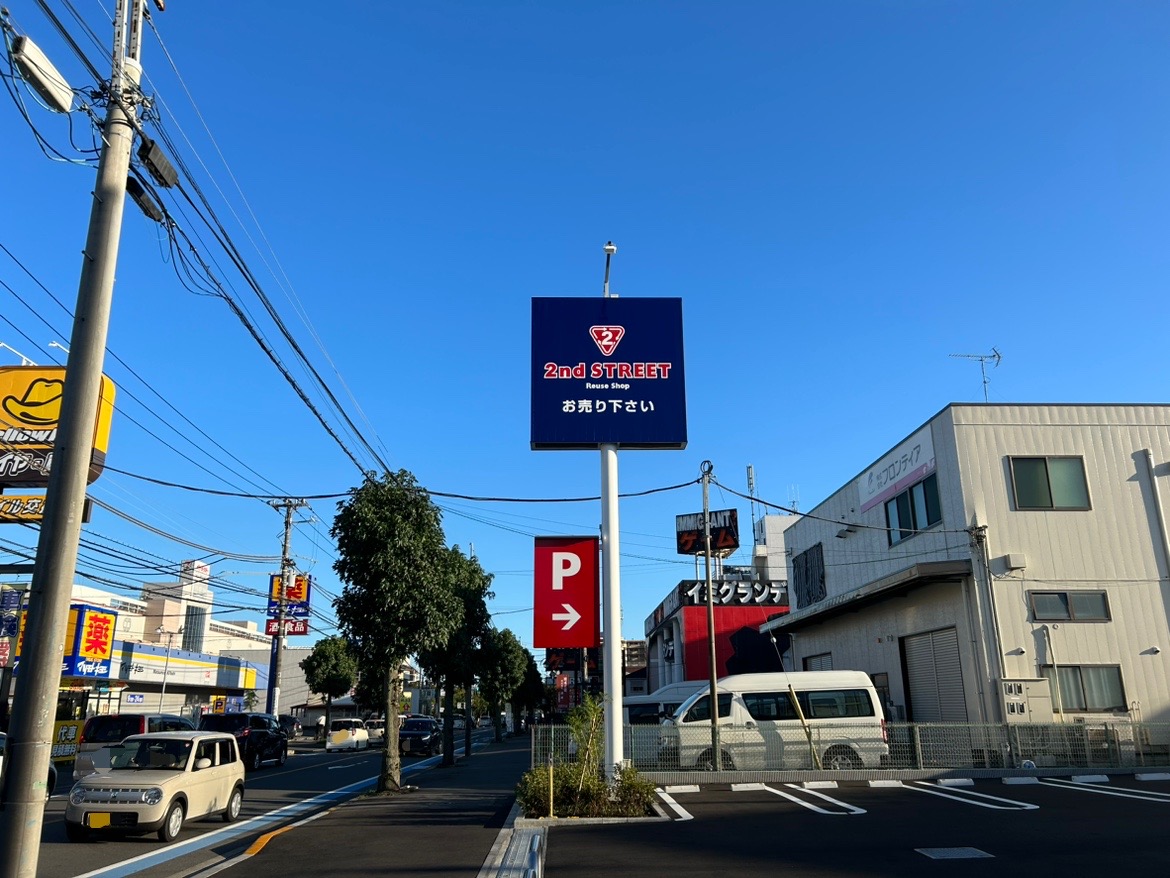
983,358
794,497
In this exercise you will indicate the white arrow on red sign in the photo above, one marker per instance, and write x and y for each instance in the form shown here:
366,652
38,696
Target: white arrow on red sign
570,617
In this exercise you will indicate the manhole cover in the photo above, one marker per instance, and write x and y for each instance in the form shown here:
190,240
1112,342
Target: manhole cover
954,853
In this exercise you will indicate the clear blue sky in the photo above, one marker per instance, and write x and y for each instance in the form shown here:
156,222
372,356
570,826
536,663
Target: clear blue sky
843,194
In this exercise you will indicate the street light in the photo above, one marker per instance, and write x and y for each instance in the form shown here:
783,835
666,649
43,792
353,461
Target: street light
167,663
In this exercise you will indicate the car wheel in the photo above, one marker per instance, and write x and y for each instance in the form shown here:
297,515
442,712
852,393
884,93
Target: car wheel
840,759
256,760
76,832
283,757
232,812
706,763
172,823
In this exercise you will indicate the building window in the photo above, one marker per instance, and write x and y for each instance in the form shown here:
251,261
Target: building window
1050,483
808,576
1069,606
1086,688
821,662
915,509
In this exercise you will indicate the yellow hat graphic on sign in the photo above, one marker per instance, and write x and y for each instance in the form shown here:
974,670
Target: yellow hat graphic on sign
39,406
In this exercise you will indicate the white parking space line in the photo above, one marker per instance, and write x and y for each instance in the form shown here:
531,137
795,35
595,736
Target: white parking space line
845,806
970,797
1141,795
847,809
683,813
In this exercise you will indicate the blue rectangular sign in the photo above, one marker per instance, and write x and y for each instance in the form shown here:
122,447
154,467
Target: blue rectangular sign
608,371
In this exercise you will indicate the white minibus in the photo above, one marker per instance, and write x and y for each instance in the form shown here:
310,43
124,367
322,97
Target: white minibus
760,726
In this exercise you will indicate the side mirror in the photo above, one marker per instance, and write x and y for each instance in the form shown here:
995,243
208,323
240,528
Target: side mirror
202,763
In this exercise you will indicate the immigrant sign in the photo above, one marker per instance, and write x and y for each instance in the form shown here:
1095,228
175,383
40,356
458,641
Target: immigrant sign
566,592
689,537
608,371
30,407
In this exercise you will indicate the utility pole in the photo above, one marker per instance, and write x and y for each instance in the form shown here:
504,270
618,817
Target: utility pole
35,703
287,572
716,753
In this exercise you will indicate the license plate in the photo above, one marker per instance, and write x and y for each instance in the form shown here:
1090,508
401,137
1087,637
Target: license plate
98,820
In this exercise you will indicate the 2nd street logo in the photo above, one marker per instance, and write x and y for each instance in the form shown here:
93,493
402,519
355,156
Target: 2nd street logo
607,337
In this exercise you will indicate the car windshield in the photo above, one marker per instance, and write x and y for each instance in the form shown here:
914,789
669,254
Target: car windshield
156,754
417,725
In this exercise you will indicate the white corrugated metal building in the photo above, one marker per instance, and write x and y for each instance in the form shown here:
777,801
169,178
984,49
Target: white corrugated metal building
995,546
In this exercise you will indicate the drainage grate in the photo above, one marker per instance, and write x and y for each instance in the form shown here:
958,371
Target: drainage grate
954,853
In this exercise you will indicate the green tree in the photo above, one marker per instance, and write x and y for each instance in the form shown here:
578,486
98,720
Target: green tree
530,694
330,670
453,663
501,671
396,599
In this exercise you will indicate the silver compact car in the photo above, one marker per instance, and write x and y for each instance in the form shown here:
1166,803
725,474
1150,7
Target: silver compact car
155,783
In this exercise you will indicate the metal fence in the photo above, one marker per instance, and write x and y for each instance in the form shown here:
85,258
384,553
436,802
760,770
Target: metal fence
670,754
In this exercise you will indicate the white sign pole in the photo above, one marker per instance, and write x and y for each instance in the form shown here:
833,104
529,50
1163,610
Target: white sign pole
612,610
611,590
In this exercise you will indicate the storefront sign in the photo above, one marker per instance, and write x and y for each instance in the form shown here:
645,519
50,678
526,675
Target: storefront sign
608,371
296,598
565,574
30,406
910,462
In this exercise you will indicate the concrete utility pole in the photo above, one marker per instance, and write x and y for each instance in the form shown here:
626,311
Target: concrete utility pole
287,572
706,469
35,703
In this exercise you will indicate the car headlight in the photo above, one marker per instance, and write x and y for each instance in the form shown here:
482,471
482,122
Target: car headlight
152,796
77,795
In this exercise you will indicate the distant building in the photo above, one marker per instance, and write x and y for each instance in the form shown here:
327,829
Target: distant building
744,597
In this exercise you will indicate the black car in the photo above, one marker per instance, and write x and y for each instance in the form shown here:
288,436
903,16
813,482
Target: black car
260,736
419,736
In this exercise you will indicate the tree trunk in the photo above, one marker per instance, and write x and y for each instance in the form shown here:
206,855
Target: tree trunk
468,720
390,777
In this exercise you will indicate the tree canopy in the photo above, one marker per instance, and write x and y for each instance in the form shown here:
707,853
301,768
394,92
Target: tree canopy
396,598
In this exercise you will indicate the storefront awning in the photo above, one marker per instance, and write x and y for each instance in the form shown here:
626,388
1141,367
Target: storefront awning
915,576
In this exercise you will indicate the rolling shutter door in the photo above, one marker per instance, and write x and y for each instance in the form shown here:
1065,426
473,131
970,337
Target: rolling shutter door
935,677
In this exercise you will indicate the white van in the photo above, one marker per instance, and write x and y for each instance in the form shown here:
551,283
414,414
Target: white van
650,709
759,727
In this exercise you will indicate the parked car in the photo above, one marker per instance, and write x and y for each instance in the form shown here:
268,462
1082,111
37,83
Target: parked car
112,728
52,778
419,735
291,725
377,731
260,735
347,734
156,782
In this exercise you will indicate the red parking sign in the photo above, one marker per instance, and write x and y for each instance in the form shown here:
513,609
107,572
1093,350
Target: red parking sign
565,574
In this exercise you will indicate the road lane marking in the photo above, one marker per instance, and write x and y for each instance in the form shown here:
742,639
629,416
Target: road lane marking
683,813
970,797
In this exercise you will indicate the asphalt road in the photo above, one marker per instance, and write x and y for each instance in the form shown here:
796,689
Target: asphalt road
1052,828
307,782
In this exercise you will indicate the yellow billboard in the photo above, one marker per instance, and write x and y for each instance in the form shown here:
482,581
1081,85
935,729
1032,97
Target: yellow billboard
30,407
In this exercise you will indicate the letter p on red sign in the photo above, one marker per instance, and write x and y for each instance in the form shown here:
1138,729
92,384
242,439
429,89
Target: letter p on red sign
565,574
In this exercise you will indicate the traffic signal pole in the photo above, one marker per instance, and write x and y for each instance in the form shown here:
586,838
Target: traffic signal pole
30,738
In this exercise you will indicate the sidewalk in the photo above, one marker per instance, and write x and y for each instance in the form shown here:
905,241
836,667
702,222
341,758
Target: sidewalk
446,828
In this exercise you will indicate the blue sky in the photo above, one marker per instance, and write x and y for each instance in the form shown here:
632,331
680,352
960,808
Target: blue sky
843,194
